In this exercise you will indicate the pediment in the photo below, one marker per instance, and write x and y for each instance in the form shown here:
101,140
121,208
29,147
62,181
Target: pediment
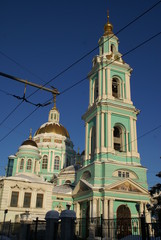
82,186
128,186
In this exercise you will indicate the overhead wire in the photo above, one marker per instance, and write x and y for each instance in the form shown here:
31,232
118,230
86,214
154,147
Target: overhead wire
139,45
74,63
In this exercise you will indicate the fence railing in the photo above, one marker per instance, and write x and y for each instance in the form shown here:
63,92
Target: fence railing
93,228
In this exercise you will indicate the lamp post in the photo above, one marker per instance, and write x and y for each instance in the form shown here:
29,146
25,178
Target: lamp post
5,212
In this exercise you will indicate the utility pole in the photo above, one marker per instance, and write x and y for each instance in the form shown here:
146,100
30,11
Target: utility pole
53,91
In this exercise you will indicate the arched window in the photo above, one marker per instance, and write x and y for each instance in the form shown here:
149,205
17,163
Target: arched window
93,140
115,88
118,136
113,48
21,164
86,175
67,182
29,164
45,162
56,163
96,89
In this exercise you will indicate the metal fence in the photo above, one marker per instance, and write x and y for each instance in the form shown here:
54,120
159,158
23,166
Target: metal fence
93,228
107,228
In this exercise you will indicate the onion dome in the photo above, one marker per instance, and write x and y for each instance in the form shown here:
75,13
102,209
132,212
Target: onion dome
50,127
29,141
108,26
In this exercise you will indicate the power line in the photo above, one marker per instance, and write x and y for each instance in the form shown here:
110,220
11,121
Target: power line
131,50
74,63
139,45
21,66
91,51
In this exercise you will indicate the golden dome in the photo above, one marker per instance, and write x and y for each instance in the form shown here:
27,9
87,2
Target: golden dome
108,26
52,127
29,142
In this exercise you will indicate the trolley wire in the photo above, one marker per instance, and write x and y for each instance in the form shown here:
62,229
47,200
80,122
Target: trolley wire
133,49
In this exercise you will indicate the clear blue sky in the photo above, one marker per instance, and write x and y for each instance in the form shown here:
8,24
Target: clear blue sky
47,36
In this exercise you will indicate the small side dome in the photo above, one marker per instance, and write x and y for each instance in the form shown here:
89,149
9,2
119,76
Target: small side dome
30,141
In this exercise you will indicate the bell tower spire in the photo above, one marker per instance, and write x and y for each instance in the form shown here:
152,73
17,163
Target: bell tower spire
54,114
108,26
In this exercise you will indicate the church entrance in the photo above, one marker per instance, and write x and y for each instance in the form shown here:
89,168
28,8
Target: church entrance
123,221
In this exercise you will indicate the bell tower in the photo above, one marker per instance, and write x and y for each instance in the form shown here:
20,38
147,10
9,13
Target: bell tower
111,116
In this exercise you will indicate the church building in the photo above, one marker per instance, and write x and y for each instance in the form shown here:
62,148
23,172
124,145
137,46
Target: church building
107,179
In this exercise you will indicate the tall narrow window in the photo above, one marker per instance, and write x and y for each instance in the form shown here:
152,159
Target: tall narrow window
39,200
117,138
45,162
115,88
56,163
21,164
29,164
27,200
113,48
96,89
93,141
14,199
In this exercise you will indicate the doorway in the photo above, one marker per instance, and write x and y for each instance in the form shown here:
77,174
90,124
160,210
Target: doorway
123,221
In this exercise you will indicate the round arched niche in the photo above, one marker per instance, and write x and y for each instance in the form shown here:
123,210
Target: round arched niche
86,175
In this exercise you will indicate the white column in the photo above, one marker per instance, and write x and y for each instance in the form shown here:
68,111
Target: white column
108,83
86,142
103,82
136,145
49,156
112,141
105,209
109,129
18,164
97,131
90,91
33,165
90,209
21,199
111,209
123,90
25,162
98,207
99,83
53,157
132,134
102,131
78,210
127,141
62,160
128,92
33,199
94,207
141,208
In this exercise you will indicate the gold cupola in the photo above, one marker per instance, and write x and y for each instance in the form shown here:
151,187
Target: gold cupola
108,27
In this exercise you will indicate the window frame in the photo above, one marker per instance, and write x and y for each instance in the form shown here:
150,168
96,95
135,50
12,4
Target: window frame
21,164
39,200
56,163
45,162
14,203
29,164
27,200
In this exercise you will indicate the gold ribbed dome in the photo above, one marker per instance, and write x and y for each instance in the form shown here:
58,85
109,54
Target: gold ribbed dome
51,127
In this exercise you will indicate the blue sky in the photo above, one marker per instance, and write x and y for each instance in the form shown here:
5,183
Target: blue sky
45,37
